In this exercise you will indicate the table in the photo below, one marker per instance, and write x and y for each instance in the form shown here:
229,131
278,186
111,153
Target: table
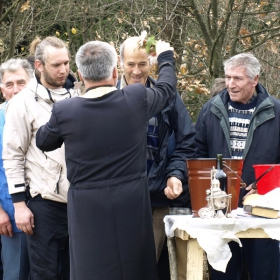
189,237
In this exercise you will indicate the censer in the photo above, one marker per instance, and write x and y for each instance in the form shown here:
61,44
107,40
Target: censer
218,201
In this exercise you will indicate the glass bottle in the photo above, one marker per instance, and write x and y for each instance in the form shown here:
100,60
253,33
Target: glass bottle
220,174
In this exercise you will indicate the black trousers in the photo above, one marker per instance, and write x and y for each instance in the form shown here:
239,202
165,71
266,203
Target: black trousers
48,247
260,256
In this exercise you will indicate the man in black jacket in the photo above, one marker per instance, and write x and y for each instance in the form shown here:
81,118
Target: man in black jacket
243,122
104,132
170,141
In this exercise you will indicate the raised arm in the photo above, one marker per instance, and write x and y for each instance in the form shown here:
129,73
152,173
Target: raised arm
163,93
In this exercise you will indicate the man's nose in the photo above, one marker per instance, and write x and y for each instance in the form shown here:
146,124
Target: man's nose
136,70
17,88
231,82
63,68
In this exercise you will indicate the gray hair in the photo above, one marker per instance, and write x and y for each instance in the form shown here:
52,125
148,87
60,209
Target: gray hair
14,64
246,60
52,41
96,60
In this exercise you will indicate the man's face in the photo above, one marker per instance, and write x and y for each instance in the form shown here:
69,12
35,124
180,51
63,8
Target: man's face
136,65
13,82
240,87
56,68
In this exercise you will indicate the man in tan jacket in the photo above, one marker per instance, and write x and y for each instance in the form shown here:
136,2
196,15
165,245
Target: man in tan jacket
37,181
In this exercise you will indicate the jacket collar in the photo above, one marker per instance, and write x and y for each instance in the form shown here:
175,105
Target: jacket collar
263,98
70,81
41,92
98,92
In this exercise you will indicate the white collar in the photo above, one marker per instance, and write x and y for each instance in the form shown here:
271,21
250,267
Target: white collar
98,92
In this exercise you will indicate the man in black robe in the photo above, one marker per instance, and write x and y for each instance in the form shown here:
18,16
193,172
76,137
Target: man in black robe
104,132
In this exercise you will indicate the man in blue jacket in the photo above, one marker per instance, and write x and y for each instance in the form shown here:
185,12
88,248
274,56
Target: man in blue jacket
170,141
243,122
14,75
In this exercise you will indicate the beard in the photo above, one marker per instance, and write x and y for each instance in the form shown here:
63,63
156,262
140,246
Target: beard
53,82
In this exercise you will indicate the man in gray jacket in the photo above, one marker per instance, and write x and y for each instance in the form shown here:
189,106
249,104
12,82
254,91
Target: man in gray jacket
37,181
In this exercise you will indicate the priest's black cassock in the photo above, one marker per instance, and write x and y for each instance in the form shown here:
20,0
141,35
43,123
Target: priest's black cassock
109,213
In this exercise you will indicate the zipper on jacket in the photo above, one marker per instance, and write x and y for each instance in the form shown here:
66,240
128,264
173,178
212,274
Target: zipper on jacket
57,184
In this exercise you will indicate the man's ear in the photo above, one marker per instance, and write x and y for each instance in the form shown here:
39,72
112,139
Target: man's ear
115,73
1,91
80,76
38,65
256,80
120,63
3,94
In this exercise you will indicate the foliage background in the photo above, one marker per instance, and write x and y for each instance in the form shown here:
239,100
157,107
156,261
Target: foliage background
203,32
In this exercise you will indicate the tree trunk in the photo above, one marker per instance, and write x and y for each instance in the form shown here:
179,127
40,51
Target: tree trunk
1,7
13,30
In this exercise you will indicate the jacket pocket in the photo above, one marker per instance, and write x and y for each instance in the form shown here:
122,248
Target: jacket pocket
51,175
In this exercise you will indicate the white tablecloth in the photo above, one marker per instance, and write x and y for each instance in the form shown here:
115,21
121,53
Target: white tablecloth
214,234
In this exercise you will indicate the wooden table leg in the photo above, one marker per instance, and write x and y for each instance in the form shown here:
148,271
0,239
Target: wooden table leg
181,254
172,258
194,260
185,259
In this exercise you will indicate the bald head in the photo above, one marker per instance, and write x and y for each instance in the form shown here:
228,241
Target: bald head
131,43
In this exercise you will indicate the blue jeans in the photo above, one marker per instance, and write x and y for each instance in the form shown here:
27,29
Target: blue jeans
15,257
